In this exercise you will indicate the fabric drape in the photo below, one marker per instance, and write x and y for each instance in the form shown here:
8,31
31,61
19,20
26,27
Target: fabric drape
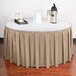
38,49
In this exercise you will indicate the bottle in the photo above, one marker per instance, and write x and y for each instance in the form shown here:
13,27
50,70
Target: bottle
48,16
54,14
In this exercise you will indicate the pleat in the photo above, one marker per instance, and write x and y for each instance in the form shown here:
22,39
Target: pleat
42,50
5,43
8,45
60,47
37,50
56,49
69,50
8,52
22,59
17,48
52,49
11,44
47,50
27,54
32,49
64,47
5,39
71,41
14,48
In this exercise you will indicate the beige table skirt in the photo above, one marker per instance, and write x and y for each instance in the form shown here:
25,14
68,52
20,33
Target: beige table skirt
38,49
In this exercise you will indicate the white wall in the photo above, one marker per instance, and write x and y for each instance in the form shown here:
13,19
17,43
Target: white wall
66,10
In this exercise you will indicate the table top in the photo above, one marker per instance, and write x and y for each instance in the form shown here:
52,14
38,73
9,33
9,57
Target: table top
43,26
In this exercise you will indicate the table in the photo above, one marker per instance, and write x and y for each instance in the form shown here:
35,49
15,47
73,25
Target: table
38,45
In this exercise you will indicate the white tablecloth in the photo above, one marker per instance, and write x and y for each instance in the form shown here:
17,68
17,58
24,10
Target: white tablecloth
44,26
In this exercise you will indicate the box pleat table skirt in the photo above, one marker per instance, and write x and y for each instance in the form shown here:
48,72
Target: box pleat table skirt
37,49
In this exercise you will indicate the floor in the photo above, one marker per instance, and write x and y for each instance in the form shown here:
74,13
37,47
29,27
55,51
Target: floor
7,69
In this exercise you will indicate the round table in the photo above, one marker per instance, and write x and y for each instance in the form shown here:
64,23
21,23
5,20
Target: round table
38,45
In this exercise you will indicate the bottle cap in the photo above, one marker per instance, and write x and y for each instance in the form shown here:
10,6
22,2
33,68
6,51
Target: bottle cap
54,7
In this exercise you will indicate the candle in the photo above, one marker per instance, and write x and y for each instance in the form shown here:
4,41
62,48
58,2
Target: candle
38,18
